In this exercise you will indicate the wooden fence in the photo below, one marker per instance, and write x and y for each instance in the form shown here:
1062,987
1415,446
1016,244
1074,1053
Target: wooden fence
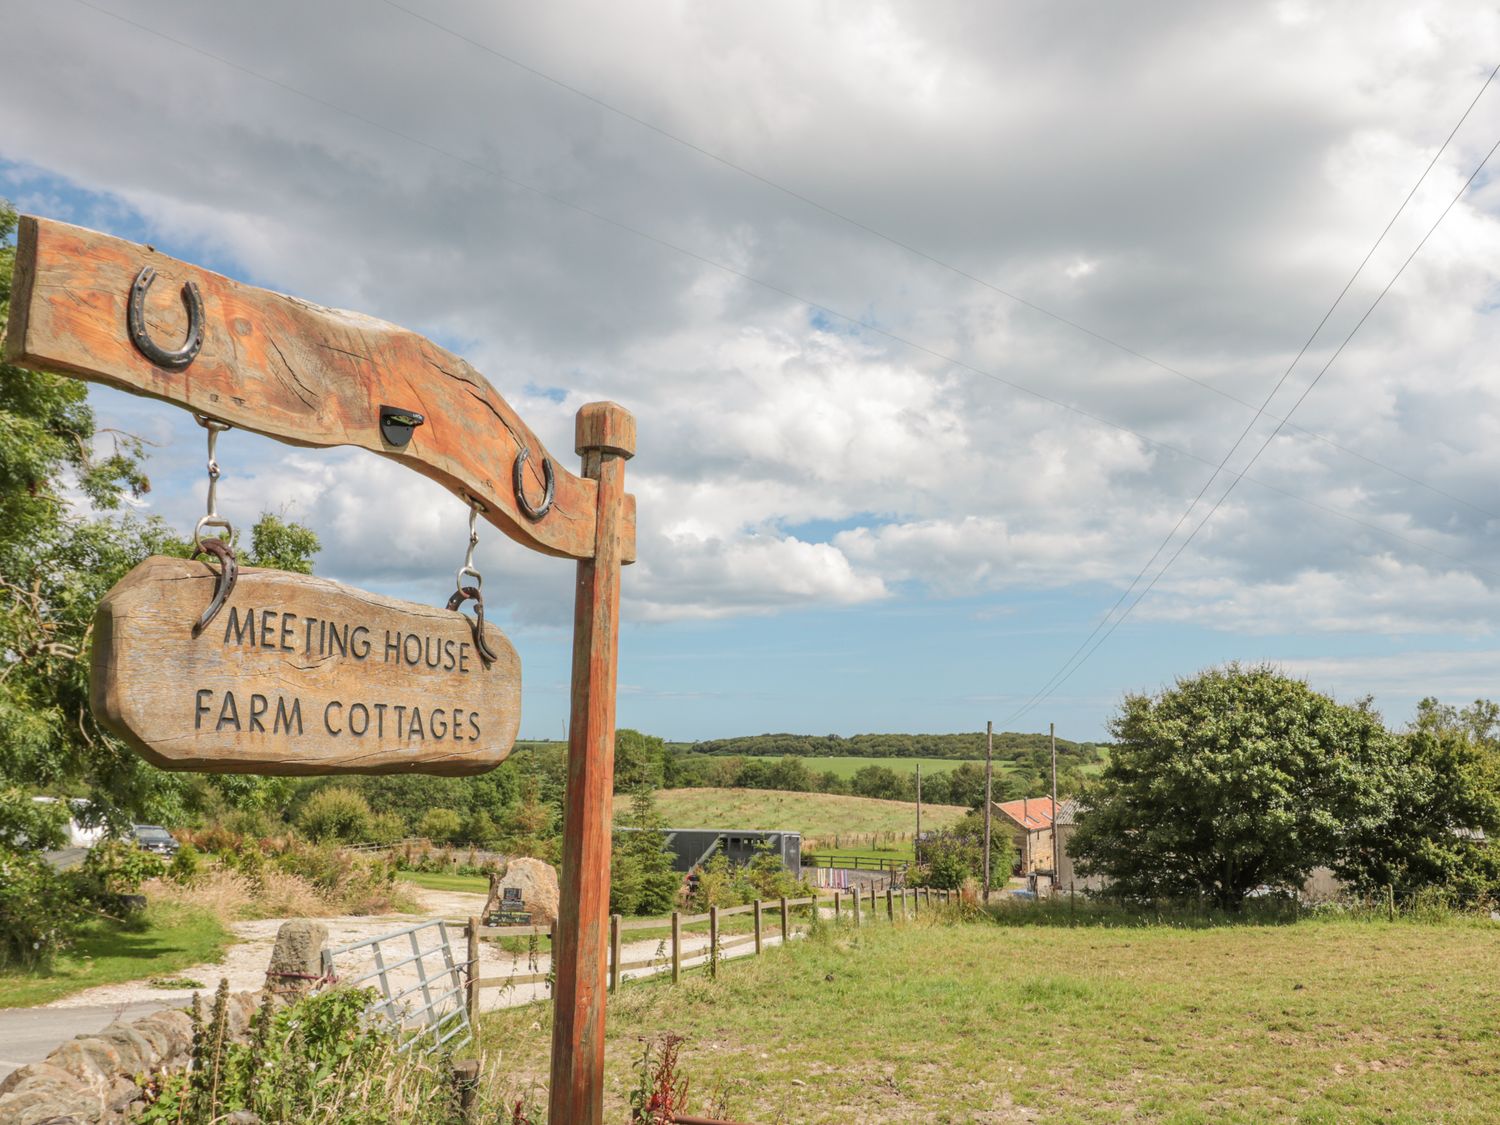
860,907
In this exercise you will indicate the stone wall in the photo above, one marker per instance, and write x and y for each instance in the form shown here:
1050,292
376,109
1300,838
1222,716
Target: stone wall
92,1078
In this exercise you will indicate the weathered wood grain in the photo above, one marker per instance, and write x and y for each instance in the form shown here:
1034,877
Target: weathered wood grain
293,371
297,675
605,436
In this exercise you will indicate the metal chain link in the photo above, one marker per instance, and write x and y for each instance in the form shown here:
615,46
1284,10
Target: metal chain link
212,519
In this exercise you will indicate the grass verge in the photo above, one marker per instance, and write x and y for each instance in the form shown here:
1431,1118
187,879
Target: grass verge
172,937
1319,1021
446,881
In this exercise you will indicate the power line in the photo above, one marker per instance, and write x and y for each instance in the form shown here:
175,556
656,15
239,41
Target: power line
1053,682
869,326
958,271
1263,446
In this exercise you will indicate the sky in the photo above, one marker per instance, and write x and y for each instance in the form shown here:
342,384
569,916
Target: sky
935,319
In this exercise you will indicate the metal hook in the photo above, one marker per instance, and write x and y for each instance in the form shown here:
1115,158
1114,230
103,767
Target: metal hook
229,572
519,475
471,593
135,320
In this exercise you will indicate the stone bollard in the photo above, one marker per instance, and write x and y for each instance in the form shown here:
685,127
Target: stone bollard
296,966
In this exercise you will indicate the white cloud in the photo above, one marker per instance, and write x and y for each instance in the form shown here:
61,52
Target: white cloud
1196,183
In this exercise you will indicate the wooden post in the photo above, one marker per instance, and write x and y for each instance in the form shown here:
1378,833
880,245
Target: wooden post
473,982
786,929
916,841
676,946
890,904
713,941
605,437
466,1079
614,952
837,906
989,773
758,944
858,898
1056,853
1390,902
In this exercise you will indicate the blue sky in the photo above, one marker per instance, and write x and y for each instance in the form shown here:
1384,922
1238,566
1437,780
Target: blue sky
843,530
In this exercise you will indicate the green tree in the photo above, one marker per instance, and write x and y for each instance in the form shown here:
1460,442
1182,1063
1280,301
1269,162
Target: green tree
335,813
1233,779
441,826
642,879
640,759
1440,825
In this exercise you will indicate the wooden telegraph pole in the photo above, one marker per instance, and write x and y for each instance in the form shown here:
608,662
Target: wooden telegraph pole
115,312
989,773
916,841
1052,737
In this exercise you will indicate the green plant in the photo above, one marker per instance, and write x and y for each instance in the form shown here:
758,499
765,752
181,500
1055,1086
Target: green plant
318,1061
442,826
112,870
335,813
660,1093
186,864
39,910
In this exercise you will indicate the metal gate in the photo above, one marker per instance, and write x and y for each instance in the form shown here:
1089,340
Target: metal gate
422,986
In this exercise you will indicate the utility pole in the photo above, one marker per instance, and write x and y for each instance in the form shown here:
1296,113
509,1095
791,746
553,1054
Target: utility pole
1056,853
916,843
989,775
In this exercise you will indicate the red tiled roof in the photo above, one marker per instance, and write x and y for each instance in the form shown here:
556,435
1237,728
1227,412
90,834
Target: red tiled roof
1031,813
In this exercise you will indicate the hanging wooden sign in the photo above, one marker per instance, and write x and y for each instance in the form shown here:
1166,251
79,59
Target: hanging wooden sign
297,675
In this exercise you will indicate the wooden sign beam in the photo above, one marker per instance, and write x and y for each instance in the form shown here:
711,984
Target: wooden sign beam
293,371
118,313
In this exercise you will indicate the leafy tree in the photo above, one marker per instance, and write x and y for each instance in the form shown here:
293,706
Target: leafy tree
442,826
952,855
1441,821
640,759
1233,779
791,774
335,813
878,781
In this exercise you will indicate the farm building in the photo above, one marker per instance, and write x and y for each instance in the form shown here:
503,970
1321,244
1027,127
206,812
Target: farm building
1068,877
693,847
1030,822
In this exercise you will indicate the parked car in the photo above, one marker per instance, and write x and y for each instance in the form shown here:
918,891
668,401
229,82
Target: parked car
154,838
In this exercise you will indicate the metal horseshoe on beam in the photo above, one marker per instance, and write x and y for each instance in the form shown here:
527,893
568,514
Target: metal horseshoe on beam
175,359
549,481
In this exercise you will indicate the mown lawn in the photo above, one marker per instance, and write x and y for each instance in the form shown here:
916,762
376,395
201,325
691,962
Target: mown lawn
1321,1021
446,881
172,938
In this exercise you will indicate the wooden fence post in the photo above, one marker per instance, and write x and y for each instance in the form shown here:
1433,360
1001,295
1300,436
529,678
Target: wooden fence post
604,435
676,946
858,898
837,906
472,931
614,952
758,945
786,930
890,904
713,941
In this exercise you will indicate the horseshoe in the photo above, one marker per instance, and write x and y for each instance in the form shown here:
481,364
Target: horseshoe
519,475
141,336
471,593
229,571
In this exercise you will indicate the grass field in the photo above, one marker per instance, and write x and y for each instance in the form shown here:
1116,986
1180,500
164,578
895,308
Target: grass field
847,767
820,815
173,938
1313,1022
